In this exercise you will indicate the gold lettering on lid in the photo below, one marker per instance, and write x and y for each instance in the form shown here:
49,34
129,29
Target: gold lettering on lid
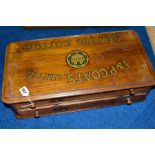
98,74
103,72
87,76
80,41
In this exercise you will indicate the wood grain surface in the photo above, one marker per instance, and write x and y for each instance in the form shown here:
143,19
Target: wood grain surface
151,34
114,61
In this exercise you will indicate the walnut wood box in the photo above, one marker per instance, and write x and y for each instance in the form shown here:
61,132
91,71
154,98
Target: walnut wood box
76,72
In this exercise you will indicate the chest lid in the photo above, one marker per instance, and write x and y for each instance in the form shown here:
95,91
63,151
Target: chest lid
75,65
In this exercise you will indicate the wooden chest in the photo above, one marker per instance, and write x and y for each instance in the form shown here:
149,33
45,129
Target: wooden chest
76,72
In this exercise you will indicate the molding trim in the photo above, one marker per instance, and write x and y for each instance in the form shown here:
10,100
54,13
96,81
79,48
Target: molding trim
151,33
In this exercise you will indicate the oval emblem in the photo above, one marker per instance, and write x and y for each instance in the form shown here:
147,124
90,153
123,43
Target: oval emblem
77,59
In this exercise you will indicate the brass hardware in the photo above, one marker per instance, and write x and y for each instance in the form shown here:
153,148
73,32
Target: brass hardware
131,92
37,114
129,101
32,106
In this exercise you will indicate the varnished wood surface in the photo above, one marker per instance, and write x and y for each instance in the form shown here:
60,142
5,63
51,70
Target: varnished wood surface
48,56
151,34
57,109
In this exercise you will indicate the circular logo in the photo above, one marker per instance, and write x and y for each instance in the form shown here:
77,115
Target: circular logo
77,59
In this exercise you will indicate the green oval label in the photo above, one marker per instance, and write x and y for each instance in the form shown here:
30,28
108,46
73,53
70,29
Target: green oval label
77,59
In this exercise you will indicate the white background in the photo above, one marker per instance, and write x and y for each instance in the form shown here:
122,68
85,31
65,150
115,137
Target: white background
77,12
77,142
